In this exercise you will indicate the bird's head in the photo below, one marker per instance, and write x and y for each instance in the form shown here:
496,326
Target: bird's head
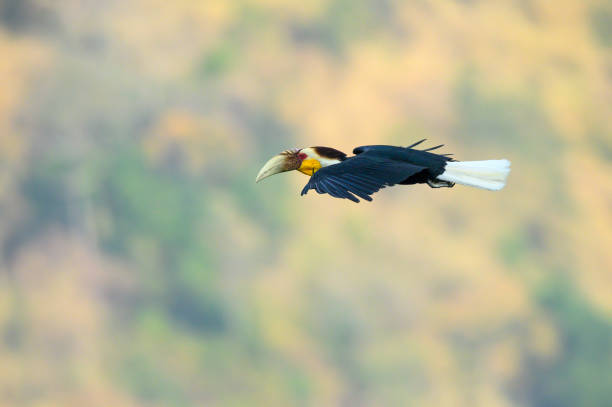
306,160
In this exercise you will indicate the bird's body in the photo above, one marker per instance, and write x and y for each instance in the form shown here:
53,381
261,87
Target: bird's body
377,166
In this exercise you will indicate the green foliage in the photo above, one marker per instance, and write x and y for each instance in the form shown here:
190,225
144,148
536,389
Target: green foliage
581,372
47,189
514,121
339,327
602,144
219,60
146,202
512,248
151,383
601,24
344,22
529,239
169,211
22,15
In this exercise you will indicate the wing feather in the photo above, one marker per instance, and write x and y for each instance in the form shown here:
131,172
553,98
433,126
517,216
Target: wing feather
356,190
417,143
433,148
359,176
361,183
335,190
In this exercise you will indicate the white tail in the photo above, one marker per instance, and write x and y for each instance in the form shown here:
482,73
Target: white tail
489,174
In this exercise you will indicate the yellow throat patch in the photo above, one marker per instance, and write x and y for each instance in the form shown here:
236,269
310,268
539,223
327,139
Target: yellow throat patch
309,166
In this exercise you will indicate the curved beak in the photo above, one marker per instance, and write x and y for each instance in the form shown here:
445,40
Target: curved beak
285,161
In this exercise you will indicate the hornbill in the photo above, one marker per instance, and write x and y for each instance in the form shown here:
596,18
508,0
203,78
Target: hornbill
377,166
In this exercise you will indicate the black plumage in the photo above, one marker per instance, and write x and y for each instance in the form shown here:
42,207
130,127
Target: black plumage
375,167
329,152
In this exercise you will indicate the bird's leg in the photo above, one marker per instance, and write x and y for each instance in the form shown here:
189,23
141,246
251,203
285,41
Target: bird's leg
440,184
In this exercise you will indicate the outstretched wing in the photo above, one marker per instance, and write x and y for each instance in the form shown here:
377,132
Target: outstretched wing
361,175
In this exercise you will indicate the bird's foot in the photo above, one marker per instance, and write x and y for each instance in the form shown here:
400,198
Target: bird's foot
440,184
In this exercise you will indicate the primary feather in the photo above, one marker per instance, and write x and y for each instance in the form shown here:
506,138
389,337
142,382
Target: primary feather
361,175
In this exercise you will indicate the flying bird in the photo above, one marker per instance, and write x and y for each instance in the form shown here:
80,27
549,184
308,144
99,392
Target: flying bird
372,168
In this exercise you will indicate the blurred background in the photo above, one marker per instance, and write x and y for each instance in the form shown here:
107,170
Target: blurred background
142,266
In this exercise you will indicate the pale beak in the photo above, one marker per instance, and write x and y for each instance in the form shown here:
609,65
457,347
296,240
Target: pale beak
285,161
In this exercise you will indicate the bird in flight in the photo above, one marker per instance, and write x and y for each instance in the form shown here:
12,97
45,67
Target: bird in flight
372,168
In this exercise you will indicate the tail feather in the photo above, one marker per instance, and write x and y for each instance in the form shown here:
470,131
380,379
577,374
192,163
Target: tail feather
488,174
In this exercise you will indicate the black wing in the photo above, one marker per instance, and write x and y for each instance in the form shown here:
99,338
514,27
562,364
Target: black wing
361,175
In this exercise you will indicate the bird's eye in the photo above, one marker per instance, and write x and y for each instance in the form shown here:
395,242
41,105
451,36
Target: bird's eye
302,156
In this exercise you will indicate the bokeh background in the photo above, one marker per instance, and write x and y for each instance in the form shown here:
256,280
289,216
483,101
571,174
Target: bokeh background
142,266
